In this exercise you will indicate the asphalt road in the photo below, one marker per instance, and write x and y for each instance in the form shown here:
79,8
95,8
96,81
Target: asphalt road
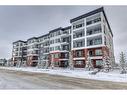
10,79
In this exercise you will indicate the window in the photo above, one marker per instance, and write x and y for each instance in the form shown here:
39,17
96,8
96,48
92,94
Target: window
52,42
57,48
97,19
98,41
65,47
57,40
88,22
65,32
56,63
94,30
65,39
98,52
91,53
56,55
64,55
51,48
78,24
79,33
94,41
93,19
21,44
79,53
99,62
79,62
80,43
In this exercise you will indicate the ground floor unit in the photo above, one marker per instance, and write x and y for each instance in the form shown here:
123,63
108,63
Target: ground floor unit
78,57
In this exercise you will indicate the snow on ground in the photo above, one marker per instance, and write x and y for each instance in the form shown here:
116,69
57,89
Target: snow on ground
77,73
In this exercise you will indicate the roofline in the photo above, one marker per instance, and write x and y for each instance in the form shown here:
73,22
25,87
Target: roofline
101,9
19,41
44,35
87,14
65,28
32,38
54,30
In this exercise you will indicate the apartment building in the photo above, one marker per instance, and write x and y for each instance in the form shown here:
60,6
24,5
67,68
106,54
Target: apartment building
43,46
32,51
60,46
91,35
19,53
3,62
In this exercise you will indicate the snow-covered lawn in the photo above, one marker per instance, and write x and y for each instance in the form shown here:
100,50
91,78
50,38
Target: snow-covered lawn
77,73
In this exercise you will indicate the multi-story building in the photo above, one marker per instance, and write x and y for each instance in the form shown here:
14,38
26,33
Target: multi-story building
32,51
60,46
19,53
89,35
3,62
43,45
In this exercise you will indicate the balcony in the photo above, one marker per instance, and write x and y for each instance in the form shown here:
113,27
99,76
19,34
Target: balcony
93,19
65,39
79,53
65,47
78,34
94,30
79,43
64,55
94,41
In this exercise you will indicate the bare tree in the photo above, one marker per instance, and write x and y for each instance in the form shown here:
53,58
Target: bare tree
123,63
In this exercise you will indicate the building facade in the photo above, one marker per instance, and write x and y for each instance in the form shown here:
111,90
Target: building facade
88,35
60,39
32,51
43,45
3,62
91,35
19,53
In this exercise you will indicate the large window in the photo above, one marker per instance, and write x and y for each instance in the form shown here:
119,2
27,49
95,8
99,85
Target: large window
57,40
93,30
56,55
91,53
79,33
51,34
78,24
57,48
94,41
79,43
79,53
64,55
93,21
65,47
66,32
51,48
98,52
51,41
79,62
99,62
56,63
65,39
98,41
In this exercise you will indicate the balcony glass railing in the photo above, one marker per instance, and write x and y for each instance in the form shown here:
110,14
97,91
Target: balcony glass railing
93,21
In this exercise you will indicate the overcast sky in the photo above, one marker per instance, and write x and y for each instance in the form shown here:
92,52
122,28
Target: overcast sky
23,22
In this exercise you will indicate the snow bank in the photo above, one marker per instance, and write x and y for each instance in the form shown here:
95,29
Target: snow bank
77,73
